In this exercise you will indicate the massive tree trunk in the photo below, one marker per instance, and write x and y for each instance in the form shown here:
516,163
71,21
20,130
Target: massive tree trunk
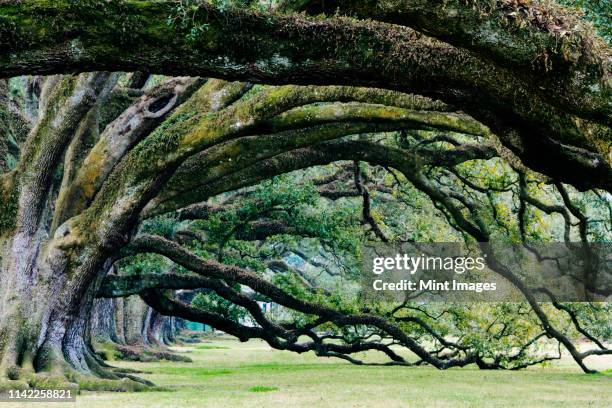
35,331
47,286
38,332
60,234
127,328
103,322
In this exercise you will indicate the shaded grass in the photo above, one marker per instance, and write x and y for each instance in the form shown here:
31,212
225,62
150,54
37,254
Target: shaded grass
210,347
193,371
229,377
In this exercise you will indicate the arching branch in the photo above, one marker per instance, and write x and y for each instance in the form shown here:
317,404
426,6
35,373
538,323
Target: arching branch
297,49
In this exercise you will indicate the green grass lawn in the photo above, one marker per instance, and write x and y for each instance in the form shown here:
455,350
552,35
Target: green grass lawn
226,373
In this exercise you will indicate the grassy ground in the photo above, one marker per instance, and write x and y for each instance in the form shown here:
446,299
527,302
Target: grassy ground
226,373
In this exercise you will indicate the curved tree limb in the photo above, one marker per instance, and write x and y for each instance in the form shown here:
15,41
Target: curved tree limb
389,56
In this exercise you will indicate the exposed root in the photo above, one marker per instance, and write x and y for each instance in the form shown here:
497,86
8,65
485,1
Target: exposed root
111,352
58,375
6,384
79,382
124,370
107,351
45,381
127,384
109,373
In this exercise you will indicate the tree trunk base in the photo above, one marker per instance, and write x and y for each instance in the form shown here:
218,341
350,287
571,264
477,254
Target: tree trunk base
142,353
78,382
58,374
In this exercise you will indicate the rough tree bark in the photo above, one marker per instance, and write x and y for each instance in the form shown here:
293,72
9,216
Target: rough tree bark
126,328
27,308
63,234
553,96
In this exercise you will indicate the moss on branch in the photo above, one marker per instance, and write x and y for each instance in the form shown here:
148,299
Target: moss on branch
158,36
